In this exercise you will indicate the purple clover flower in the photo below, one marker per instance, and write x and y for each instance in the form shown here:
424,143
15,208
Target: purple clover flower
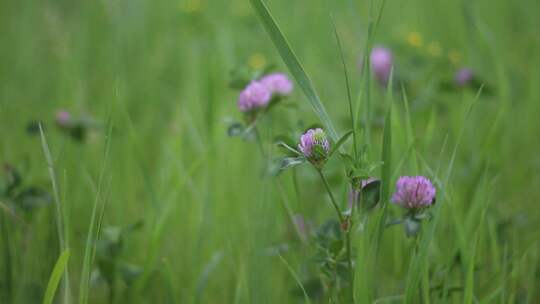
381,60
277,83
463,76
414,192
254,96
63,119
314,144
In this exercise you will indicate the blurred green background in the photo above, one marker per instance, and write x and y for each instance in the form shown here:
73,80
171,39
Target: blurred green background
206,226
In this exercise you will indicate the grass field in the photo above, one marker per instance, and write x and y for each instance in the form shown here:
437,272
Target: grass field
151,201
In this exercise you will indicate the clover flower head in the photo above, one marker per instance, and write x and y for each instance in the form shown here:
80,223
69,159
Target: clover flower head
414,192
314,144
254,96
63,118
381,60
277,83
463,76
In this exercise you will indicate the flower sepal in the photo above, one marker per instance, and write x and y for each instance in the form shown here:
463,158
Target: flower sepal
412,226
412,222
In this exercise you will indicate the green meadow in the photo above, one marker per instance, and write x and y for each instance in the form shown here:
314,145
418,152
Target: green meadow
156,188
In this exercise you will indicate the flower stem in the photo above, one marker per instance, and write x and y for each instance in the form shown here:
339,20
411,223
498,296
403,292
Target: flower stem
348,247
334,203
260,143
349,262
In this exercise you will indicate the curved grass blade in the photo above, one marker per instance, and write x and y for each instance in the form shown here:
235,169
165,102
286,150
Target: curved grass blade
56,276
291,61
296,278
61,213
52,174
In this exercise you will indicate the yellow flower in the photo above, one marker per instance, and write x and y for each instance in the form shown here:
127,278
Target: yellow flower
191,6
454,56
434,49
257,61
415,39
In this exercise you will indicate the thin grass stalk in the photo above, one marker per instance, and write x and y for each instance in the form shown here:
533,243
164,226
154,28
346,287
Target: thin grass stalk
60,212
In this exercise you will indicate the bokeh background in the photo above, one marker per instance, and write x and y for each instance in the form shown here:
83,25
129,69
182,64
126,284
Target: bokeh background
186,214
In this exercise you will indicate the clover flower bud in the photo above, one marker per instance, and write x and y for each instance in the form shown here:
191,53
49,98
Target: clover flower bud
253,97
277,83
314,145
414,192
381,60
463,77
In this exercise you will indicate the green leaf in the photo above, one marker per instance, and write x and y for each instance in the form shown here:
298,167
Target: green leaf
340,142
33,197
370,196
296,69
56,275
289,162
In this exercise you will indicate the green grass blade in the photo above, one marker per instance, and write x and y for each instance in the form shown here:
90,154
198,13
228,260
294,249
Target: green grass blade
296,69
340,142
409,129
469,282
94,227
61,214
419,260
386,168
369,243
296,278
348,87
364,95
56,196
206,274
56,276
